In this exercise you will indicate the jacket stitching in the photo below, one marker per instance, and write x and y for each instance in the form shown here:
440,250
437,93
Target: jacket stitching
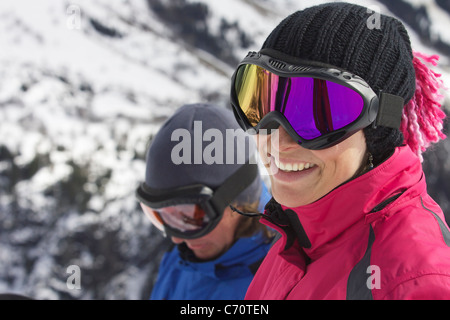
412,278
441,225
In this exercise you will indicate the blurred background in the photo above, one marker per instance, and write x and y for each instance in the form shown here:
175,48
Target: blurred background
84,85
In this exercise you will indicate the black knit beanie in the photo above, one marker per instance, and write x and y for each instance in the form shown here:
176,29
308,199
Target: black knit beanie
341,34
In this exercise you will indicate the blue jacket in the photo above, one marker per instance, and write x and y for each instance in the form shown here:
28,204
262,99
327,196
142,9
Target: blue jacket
225,278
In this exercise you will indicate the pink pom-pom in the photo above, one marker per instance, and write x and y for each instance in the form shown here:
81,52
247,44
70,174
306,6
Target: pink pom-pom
422,121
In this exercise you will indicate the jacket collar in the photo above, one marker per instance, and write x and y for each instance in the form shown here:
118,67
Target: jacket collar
234,263
349,206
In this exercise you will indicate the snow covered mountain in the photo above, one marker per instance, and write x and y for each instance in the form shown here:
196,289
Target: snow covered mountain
83,87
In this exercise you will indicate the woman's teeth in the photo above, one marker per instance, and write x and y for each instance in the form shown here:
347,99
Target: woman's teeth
293,166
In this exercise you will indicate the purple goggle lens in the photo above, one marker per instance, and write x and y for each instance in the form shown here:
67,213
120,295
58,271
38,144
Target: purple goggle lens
313,107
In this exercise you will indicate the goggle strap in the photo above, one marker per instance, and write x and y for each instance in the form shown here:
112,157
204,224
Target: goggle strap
390,111
234,185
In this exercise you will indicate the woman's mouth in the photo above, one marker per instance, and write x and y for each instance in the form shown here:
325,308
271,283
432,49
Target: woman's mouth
292,166
289,170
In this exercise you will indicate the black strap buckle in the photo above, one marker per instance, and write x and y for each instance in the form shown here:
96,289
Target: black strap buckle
390,111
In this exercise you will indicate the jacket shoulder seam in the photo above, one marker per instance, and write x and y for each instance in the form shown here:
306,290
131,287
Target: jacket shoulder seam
409,279
443,228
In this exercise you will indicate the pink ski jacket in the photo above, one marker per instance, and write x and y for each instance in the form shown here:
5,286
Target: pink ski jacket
379,236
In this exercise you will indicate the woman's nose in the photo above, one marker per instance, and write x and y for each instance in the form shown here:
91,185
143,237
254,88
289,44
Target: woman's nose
281,141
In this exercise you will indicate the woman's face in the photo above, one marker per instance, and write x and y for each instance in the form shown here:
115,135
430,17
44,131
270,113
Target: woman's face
301,176
217,241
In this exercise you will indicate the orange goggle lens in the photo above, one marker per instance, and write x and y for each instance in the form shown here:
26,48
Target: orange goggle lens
184,217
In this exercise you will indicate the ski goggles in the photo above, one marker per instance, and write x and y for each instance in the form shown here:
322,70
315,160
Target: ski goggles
318,105
191,212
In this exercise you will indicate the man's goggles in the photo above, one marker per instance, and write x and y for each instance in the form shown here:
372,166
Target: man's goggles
193,211
318,105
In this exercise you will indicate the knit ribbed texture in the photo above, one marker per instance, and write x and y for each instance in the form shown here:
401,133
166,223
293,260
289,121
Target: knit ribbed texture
338,34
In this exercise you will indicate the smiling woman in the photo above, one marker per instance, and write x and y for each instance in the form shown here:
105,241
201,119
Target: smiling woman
350,109
322,170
